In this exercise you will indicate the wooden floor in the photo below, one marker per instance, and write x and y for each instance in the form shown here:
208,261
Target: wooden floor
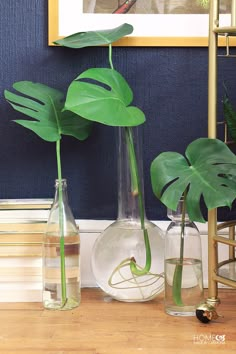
101,326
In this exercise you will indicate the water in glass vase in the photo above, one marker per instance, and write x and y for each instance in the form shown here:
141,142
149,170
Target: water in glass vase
53,297
113,251
191,286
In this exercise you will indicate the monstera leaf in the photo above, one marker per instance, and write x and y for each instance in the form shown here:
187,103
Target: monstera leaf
95,38
103,95
44,104
207,171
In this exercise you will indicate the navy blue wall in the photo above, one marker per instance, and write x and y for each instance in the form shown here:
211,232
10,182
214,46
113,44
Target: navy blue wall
169,84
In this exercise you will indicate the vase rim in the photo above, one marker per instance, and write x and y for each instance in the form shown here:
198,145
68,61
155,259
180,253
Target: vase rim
63,181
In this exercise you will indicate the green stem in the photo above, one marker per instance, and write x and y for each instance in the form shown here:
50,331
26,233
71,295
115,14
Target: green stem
110,56
137,190
61,226
178,274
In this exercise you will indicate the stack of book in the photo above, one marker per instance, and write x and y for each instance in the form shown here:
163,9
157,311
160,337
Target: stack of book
22,225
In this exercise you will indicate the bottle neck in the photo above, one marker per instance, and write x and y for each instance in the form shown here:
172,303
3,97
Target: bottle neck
60,185
61,222
130,174
180,214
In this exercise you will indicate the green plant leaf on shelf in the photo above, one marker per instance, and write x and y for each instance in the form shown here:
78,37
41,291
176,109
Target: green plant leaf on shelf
95,38
230,116
204,3
45,104
103,95
206,171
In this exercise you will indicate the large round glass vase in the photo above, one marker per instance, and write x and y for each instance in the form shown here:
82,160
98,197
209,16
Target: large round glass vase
111,262
128,257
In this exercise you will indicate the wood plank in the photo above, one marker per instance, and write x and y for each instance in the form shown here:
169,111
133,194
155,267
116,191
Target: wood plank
101,326
20,250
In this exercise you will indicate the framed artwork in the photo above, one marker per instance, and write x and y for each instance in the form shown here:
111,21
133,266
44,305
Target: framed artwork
156,22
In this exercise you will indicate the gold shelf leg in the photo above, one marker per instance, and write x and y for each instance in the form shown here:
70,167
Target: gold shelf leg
212,114
232,237
233,13
212,258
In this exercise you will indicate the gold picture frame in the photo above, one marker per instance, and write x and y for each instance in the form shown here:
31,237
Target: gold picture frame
54,21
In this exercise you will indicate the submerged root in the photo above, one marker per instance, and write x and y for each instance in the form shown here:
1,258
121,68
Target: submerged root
123,278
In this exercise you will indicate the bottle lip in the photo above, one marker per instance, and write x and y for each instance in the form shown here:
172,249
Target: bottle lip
173,215
63,181
177,214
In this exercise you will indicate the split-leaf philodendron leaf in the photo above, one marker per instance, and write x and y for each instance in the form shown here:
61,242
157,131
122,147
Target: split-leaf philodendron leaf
45,104
103,95
207,171
95,38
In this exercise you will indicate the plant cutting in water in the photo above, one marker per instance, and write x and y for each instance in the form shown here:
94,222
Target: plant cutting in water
44,104
103,95
205,173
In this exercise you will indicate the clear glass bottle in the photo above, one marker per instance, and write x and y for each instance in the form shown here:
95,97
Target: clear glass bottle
128,257
183,265
61,255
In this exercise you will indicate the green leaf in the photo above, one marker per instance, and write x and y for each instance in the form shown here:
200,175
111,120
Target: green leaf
95,38
45,104
207,171
104,97
230,117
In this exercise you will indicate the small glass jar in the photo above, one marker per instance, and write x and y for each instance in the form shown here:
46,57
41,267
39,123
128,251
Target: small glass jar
61,255
183,265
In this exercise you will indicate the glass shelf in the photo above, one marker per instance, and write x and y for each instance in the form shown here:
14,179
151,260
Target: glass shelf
227,270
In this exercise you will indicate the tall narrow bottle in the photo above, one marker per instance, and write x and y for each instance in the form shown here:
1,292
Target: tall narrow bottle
183,265
128,257
61,255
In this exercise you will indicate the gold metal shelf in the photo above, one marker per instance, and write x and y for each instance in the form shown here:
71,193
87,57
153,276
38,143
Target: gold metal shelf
223,280
225,240
219,272
225,31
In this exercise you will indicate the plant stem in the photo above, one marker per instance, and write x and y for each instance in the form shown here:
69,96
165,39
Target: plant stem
177,279
61,226
110,56
137,192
